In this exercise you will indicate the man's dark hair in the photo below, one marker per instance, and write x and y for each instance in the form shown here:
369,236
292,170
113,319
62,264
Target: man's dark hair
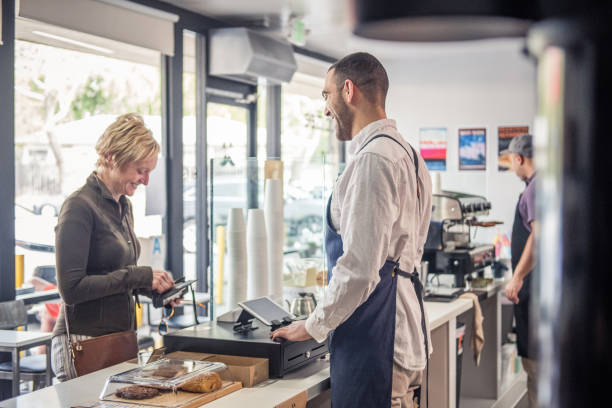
366,72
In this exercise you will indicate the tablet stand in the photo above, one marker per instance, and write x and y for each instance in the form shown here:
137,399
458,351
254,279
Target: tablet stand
245,323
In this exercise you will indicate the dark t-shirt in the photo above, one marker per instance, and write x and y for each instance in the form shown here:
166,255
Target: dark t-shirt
527,203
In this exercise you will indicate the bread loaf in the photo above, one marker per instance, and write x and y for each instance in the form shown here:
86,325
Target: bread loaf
207,382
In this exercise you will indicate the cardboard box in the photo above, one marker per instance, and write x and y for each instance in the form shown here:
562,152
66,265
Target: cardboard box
297,401
249,371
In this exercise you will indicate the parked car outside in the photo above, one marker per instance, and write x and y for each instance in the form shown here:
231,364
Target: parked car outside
303,212
48,205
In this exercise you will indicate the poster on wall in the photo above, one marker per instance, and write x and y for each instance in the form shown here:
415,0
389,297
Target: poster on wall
505,135
432,146
473,149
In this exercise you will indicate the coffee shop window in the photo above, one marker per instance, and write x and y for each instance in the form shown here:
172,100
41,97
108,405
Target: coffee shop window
64,99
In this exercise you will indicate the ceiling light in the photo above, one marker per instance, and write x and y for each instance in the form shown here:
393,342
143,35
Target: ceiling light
442,20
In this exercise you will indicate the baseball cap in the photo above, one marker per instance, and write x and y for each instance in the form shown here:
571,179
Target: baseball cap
520,145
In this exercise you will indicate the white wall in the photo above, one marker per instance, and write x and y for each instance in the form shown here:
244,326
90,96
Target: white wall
475,86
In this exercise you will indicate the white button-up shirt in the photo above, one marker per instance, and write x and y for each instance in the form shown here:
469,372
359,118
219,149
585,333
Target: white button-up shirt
375,210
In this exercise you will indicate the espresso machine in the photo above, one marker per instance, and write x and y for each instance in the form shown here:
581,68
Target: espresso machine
448,248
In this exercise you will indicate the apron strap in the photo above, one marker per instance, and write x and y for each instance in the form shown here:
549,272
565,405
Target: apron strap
415,158
70,346
418,289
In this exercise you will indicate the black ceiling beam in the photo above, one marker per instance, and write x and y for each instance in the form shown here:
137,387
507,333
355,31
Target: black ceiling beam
187,19
313,54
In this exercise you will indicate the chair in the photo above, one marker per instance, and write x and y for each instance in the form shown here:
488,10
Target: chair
145,342
36,368
46,272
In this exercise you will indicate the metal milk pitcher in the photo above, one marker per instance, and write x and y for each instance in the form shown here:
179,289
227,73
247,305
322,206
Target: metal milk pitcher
303,305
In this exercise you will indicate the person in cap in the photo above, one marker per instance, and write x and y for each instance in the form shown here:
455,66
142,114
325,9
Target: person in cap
518,289
377,222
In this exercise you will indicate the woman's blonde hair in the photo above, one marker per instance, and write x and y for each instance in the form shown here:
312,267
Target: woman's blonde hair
126,140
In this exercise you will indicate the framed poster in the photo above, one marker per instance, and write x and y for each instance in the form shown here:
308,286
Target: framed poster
432,146
505,135
473,149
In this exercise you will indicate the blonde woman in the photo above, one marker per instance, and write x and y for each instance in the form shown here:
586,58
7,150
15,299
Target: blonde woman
96,249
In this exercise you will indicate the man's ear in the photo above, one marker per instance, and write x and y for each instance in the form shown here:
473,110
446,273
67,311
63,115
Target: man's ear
348,92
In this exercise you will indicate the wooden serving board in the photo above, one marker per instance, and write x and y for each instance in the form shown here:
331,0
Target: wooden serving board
183,399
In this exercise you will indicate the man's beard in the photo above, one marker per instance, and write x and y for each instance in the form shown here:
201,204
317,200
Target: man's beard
344,122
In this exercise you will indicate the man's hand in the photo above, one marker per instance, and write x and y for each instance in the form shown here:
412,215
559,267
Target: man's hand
513,287
296,331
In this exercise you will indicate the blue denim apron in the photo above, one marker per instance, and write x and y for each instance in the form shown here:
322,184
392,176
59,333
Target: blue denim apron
361,348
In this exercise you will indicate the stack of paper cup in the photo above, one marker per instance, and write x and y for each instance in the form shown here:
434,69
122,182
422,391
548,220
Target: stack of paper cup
236,257
436,182
273,208
257,254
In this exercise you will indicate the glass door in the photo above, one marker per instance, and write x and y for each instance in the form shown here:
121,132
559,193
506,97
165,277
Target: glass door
228,169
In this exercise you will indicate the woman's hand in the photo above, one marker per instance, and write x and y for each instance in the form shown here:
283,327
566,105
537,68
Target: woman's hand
176,302
162,281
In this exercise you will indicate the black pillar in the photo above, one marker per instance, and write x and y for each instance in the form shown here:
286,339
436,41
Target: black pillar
7,151
574,198
273,122
172,125
252,165
7,166
202,255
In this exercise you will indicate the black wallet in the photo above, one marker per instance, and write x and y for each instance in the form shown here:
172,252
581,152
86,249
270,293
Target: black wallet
162,299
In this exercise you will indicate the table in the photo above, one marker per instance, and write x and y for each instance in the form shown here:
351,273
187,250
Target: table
62,395
39,297
14,341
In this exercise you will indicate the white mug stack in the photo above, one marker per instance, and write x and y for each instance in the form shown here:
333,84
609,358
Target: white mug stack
273,208
257,254
237,258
